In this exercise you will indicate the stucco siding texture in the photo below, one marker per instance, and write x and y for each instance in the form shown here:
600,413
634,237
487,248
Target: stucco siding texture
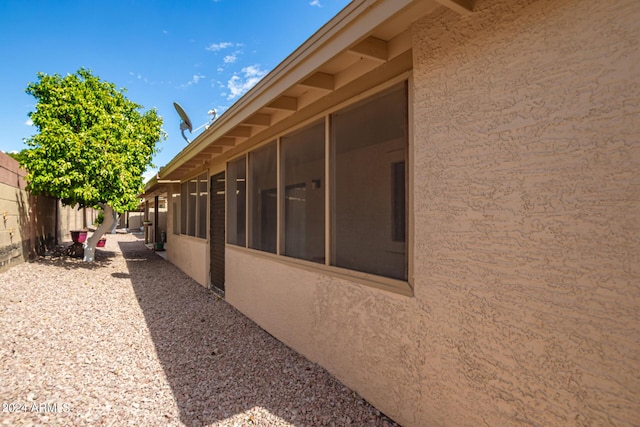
526,260
189,255
527,210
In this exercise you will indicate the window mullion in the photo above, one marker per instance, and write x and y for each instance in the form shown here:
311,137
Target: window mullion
248,205
196,206
279,200
327,191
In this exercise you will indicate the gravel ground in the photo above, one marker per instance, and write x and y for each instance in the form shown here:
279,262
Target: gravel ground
131,340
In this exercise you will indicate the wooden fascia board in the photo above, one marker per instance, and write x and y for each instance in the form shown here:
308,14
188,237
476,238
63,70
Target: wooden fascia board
158,190
153,187
353,24
358,20
386,71
151,183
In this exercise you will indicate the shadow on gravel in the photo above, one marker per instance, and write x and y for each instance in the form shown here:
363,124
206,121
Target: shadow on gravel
219,363
102,258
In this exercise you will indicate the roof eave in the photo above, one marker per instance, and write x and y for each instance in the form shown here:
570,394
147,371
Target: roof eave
350,26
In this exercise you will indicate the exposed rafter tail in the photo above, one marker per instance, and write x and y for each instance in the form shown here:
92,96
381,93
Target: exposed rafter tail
463,7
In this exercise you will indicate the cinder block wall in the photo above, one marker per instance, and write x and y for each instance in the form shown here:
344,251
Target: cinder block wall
14,213
28,224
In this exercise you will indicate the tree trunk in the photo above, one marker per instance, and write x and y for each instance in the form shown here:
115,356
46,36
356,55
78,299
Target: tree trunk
91,242
116,218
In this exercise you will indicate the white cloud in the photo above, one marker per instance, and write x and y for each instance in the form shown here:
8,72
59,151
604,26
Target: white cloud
315,3
253,70
29,122
194,80
239,84
141,77
230,59
214,47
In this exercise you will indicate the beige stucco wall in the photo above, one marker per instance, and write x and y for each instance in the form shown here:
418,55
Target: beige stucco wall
526,225
191,255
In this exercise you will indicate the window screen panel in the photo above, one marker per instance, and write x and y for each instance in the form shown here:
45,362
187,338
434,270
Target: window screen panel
184,206
264,201
193,197
367,140
202,206
236,202
303,164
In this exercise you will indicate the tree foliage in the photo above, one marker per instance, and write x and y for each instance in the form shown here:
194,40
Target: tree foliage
19,156
93,144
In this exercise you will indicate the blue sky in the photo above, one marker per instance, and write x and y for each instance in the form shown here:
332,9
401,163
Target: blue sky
204,54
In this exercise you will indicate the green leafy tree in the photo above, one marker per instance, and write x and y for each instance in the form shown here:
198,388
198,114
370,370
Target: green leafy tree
92,146
19,156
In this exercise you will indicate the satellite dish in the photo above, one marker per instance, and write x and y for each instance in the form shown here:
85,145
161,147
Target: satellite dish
185,123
